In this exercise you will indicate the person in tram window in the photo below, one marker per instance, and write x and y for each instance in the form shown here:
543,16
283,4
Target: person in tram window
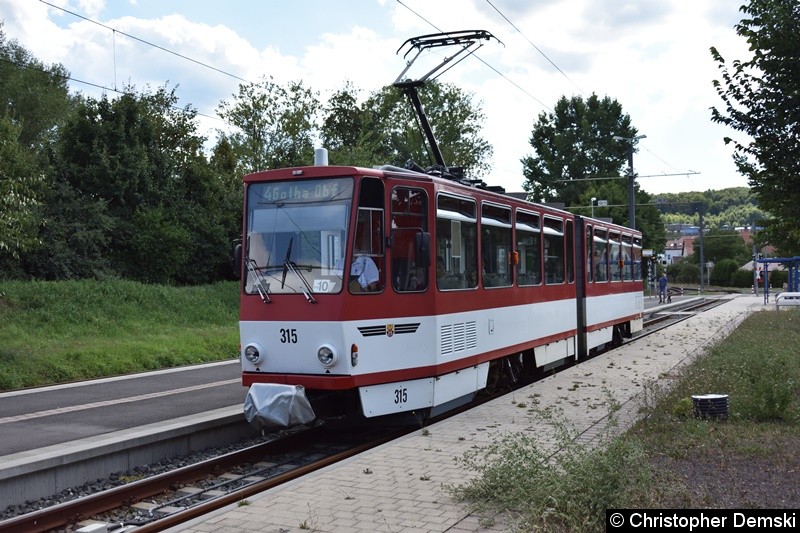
440,270
417,279
364,275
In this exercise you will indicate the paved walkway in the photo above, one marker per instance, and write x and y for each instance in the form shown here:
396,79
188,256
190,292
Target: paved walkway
398,487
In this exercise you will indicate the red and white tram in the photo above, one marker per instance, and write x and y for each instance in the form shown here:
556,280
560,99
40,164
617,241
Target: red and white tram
383,291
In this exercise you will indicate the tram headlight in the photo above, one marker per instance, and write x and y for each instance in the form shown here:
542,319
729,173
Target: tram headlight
327,355
252,353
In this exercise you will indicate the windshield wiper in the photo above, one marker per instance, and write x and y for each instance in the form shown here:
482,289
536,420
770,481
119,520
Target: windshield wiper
289,266
261,284
307,291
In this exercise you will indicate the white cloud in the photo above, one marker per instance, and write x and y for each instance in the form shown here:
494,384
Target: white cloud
651,56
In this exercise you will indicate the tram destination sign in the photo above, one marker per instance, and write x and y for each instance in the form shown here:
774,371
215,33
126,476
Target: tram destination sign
311,190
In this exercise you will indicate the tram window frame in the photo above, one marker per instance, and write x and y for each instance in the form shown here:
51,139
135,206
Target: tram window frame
600,261
589,252
496,243
569,242
408,218
529,268
369,215
615,247
637,258
457,242
627,255
553,255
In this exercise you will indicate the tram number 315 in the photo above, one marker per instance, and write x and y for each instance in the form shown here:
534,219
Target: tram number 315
288,336
400,396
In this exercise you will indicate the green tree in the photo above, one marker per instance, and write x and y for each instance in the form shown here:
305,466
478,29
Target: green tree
33,102
274,125
352,133
574,144
761,101
19,205
76,234
724,208
135,196
33,96
455,118
684,272
722,244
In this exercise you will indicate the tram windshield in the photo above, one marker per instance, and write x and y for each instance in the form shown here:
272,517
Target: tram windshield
296,234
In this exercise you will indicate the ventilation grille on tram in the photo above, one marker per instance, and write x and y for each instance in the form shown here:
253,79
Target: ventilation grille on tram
459,337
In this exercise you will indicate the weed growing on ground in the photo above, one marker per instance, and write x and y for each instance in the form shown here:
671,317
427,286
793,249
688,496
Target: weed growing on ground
566,486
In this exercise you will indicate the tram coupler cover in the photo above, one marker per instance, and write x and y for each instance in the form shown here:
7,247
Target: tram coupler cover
271,405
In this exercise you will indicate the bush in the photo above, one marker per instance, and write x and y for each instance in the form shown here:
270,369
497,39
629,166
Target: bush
743,278
723,272
777,278
684,272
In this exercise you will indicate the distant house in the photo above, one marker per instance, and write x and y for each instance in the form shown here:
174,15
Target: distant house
676,250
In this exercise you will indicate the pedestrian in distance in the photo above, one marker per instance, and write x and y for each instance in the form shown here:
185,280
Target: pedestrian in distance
662,288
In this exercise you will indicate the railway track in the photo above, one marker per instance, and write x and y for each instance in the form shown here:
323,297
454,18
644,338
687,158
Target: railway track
678,312
167,499
155,503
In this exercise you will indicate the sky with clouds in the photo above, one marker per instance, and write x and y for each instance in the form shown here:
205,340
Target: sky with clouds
652,56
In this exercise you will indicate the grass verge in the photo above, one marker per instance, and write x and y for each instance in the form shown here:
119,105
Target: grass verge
53,332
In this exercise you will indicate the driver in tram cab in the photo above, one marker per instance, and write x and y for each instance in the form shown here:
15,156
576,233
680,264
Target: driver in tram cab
364,275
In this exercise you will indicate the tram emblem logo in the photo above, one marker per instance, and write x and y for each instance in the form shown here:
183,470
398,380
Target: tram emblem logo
388,329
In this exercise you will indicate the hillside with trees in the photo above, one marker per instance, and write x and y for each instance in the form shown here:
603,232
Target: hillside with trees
731,208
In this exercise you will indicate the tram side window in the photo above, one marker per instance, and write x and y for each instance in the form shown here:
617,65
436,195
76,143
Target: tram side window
600,255
588,254
529,246
637,258
409,218
627,254
456,243
614,256
495,245
554,262
368,267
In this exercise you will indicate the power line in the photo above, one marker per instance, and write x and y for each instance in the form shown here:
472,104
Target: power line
689,173
678,173
211,67
206,65
98,86
535,47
